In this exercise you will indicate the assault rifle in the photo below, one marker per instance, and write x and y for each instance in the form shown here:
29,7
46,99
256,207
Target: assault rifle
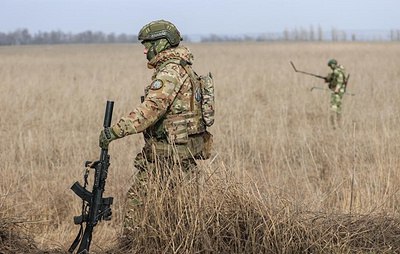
94,207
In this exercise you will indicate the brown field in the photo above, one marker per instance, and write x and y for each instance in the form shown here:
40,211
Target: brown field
281,180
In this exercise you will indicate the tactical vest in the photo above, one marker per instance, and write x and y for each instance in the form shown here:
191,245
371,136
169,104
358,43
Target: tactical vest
177,127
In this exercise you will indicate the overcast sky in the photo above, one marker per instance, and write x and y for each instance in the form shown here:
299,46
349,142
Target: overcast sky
198,17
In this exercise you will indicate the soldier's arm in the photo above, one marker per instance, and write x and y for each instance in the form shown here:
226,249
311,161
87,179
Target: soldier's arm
328,78
161,94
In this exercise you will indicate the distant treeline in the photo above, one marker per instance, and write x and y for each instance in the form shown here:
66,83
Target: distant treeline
24,37
311,34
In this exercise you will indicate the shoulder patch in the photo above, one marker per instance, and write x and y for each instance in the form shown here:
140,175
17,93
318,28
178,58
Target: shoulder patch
156,84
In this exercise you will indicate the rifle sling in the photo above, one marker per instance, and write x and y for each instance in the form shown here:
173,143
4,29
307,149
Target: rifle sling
76,241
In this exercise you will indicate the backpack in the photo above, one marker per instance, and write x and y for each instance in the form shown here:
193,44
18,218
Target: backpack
206,84
208,99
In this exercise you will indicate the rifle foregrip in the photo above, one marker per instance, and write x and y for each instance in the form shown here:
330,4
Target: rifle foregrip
108,114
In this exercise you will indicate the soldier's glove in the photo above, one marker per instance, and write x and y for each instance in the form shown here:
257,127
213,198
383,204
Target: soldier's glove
106,136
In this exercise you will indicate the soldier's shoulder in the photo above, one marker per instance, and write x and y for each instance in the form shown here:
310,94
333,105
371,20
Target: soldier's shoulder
168,74
339,70
170,66
172,69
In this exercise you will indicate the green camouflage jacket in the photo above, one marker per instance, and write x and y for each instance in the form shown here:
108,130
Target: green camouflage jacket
337,78
171,103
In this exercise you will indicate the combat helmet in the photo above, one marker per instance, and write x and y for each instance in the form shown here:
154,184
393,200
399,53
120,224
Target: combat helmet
159,35
332,62
160,29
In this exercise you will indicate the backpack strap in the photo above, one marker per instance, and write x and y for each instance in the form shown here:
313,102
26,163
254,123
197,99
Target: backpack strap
173,60
192,74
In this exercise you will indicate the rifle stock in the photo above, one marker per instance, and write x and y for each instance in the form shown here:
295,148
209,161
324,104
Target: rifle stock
94,207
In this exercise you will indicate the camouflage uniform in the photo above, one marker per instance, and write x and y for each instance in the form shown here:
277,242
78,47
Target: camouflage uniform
337,83
170,118
170,115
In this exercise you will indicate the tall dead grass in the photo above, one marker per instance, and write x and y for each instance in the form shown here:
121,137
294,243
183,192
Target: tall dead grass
281,181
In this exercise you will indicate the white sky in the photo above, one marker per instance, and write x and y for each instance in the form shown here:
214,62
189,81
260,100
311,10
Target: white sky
199,17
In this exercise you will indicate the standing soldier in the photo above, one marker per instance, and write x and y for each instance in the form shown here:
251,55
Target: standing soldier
176,108
337,83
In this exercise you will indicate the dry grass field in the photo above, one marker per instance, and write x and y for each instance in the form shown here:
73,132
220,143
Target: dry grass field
281,179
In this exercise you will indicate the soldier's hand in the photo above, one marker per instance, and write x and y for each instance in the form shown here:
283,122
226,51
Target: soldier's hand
106,136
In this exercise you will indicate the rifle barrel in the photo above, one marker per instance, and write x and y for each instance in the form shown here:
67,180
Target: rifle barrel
108,114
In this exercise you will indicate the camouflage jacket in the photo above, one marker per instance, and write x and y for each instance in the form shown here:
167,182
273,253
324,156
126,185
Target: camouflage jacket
337,78
171,103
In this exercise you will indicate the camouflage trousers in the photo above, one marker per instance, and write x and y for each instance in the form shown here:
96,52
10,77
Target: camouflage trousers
148,183
158,163
336,108
336,101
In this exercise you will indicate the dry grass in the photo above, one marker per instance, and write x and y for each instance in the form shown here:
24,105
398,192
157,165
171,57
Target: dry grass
282,181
